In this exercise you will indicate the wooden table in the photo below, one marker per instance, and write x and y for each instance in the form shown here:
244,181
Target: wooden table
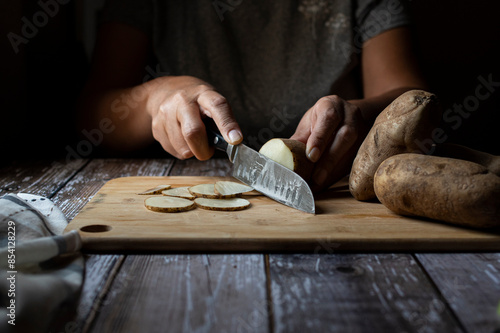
318,292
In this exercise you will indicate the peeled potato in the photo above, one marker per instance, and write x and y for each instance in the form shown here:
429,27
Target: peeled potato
289,153
166,204
222,204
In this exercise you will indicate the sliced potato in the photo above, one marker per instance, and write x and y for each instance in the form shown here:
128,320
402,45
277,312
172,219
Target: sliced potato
167,204
179,192
204,191
156,190
228,188
222,204
289,153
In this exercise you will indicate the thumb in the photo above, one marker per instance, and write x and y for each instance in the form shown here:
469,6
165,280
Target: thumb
301,134
303,130
216,107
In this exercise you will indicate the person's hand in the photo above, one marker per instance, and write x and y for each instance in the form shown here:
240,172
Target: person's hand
177,105
333,129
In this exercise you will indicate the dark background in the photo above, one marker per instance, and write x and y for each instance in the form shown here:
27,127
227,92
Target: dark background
457,42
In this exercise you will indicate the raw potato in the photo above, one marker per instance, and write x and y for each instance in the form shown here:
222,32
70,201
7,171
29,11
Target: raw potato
406,122
289,153
446,189
204,191
180,199
156,190
222,204
165,204
490,162
228,188
179,192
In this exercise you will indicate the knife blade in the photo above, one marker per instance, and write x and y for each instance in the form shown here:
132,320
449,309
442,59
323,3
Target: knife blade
265,175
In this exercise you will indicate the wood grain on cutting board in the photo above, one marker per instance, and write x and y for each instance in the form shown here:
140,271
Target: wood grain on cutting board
116,220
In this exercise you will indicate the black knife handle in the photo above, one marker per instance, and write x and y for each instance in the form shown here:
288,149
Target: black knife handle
215,139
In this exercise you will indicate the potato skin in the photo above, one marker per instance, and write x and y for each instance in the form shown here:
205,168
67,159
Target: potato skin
446,189
302,165
408,120
490,162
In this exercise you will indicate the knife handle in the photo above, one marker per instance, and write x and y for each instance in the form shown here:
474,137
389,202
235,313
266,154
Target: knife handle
215,139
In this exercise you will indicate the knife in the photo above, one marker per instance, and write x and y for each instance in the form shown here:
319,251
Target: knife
265,175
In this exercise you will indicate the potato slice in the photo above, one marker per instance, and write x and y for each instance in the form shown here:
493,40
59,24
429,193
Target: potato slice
156,190
204,191
167,204
222,204
179,192
228,188
289,153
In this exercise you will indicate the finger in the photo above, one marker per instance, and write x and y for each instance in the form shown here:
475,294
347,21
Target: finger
216,107
167,116
193,130
328,115
342,147
160,134
342,167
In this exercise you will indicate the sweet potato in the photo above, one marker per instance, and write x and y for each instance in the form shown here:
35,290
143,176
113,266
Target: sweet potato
441,188
399,129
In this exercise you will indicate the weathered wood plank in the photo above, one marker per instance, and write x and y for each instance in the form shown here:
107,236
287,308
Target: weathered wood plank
37,177
188,293
470,283
192,167
75,195
355,293
100,269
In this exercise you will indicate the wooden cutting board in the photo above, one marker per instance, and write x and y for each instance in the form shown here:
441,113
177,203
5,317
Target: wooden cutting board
115,220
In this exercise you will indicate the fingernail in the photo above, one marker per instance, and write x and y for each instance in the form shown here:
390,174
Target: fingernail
313,154
234,136
320,177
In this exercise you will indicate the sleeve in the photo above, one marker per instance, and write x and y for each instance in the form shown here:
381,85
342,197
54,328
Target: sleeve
376,16
136,13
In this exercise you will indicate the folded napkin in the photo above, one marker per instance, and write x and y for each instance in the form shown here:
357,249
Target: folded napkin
41,270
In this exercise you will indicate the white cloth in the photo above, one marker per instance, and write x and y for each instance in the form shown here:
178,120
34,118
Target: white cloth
41,270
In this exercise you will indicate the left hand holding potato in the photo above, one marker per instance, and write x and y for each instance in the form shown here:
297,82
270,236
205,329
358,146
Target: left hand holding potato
333,129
